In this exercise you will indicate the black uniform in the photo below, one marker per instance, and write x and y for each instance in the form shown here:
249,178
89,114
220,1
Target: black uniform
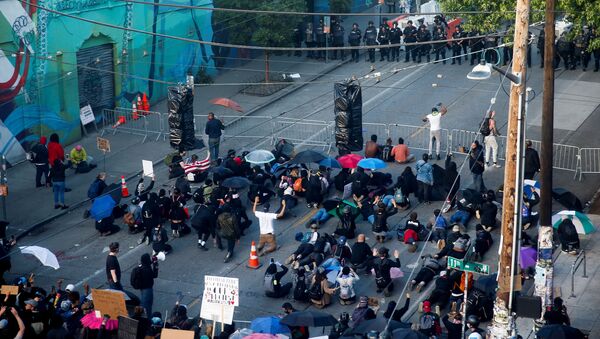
320,39
440,47
507,51
476,46
565,51
540,45
383,38
395,35
354,40
490,42
371,40
424,36
391,5
338,40
582,55
309,40
465,44
596,53
456,47
298,39
410,36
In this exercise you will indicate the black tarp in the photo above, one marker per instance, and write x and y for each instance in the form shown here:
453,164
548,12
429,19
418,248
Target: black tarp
567,199
348,116
181,118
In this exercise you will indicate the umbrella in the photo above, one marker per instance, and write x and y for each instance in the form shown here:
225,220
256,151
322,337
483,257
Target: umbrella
309,318
236,182
372,163
487,283
261,336
582,223
331,206
349,160
221,171
531,186
259,156
227,103
330,162
270,325
527,257
378,324
407,333
102,207
114,190
43,254
559,332
307,156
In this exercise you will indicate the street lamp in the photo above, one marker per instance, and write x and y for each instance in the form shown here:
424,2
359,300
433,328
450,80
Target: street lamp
483,71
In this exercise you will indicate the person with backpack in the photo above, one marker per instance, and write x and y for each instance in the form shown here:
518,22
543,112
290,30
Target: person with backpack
489,132
300,286
383,265
204,219
429,322
39,157
272,280
142,278
346,280
228,228
319,292
346,226
159,240
362,312
483,242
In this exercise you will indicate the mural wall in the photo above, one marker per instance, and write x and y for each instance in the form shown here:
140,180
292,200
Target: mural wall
50,65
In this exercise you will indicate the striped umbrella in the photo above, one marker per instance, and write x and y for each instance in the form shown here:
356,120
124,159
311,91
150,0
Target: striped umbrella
582,223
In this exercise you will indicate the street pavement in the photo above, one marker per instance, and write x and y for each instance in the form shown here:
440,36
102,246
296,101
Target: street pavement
401,97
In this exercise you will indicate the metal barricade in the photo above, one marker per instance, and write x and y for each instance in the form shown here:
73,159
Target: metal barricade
461,138
380,130
580,259
589,161
302,133
152,118
125,121
244,127
417,137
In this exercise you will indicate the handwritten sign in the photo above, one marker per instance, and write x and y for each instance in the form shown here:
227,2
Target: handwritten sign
218,313
103,144
221,290
148,168
10,289
109,302
168,333
86,115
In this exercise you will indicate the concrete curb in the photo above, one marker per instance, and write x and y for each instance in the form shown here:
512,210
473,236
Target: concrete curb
276,97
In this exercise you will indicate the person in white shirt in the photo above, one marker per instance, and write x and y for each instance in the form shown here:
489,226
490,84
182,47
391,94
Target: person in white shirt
346,279
435,127
265,223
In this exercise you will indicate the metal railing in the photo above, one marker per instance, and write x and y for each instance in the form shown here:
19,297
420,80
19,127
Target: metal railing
589,159
578,261
125,121
417,137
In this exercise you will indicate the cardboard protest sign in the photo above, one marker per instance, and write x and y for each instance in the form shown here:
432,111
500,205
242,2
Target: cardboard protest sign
109,302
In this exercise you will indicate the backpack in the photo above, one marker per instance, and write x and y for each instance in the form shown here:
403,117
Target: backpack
386,153
136,278
269,283
345,291
298,185
93,190
315,292
399,196
427,324
485,127
226,222
300,290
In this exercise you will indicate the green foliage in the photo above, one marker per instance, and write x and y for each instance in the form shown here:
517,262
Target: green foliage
340,6
581,13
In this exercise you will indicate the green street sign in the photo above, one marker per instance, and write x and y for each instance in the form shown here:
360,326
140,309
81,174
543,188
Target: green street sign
474,267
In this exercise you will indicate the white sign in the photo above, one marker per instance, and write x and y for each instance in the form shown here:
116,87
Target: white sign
221,290
216,312
148,168
86,115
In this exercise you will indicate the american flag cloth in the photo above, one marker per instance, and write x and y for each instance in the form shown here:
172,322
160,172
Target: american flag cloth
197,166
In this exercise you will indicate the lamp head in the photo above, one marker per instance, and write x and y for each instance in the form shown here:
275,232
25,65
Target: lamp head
482,71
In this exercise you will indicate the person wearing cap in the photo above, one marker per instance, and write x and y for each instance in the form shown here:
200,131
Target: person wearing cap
453,323
383,265
265,223
346,225
362,312
39,157
429,322
272,280
435,127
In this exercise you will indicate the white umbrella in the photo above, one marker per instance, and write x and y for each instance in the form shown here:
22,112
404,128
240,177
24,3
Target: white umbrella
43,254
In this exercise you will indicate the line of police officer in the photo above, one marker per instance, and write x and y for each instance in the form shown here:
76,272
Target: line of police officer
573,51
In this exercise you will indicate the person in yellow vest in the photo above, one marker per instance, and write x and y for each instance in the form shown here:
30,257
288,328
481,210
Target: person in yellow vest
79,160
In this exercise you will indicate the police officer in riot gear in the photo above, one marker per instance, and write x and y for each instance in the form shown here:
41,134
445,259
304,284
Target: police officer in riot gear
383,38
582,55
338,40
371,40
354,40
596,51
540,44
440,47
395,35
490,44
424,37
320,39
476,45
309,39
410,36
297,36
457,45
565,51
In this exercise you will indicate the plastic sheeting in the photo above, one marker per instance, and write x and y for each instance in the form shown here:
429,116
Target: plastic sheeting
348,116
181,118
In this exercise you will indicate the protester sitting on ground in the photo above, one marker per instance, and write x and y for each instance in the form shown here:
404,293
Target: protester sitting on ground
383,265
453,323
174,162
97,187
386,151
451,182
528,217
362,312
346,225
486,213
429,322
196,170
431,267
319,292
372,149
557,313
407,182
178,218
272,282
401,153
343,251
341,327
346,280
159,240
380,225
483,242
362,255
568,237
141,190
80,161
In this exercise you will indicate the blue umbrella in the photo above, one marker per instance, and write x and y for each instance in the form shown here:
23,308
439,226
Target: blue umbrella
530,187
330,162
372,163
268,325
102,207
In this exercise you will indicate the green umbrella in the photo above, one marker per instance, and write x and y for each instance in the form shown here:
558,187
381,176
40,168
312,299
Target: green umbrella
331,206
582,222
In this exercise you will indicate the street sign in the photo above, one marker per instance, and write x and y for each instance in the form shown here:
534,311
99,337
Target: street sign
103,144
468,266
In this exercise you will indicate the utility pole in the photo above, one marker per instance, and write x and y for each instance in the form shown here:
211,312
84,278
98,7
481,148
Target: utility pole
544,269
503,322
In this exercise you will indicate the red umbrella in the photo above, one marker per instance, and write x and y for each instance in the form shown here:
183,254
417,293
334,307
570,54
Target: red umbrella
227,103
349,160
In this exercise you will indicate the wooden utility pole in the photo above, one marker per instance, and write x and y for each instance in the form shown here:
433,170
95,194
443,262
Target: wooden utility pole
543,286
503,325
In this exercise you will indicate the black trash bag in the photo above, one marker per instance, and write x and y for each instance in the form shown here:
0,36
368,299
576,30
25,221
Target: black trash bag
348,116
567,199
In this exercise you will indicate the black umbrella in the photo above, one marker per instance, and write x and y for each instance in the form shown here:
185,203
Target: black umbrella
309,318
378,324
236,182
559,332
487,283
114,190
221,171
284,168
307,156
407,333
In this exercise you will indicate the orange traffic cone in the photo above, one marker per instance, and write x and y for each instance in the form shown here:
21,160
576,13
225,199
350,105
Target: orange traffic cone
134,112
253,261
124,189
119,122
145,102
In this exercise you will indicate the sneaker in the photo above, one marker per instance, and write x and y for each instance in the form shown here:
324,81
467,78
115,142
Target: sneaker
496,165
430,156
140,241
438,157
147,241
56,207
227,257
64,207
487,165
420,286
